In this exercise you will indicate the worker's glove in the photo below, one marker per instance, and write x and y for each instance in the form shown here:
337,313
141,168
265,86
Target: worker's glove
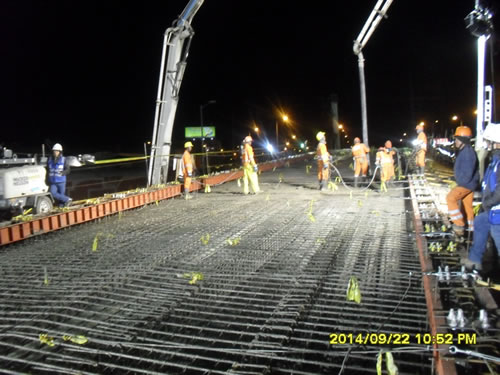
452,185
181,179
325,166
377,164
255,168
190,174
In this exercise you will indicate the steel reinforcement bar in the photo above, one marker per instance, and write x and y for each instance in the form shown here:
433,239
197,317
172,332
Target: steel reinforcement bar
49,223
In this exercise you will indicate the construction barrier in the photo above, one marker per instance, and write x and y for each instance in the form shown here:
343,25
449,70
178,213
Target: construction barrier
40,225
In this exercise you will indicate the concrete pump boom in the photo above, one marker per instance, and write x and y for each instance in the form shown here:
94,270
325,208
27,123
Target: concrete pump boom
176,40
371,24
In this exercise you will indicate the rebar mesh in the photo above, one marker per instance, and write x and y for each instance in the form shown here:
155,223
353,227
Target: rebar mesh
275,270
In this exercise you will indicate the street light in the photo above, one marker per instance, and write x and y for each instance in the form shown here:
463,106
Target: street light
201,125
454,117
285,119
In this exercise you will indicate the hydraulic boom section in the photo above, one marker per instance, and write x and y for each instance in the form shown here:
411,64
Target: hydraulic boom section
176,43
378,12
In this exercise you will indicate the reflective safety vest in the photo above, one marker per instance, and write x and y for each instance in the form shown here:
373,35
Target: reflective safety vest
384,157
186,165
56,167
360,150
247,155
422,141
322,153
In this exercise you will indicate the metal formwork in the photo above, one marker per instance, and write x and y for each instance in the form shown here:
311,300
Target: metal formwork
275,269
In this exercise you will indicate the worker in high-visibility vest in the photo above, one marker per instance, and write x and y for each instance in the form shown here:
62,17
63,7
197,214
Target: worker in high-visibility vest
421,149
323,161
359,151
250,167
186,169
385,160
466,171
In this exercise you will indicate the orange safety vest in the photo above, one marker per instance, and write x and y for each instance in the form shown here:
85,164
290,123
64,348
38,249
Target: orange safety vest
322,153
360,150
422,141
186,164
384,157
247,156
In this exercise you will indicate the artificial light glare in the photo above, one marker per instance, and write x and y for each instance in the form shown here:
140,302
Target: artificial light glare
270,148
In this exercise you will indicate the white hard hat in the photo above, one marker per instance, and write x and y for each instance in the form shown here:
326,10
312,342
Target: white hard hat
492,133
57,147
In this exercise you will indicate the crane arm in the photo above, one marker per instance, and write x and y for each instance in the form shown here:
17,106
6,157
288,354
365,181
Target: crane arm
378,12
176,44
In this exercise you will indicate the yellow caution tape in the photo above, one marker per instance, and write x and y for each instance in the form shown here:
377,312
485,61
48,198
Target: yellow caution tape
311,217
46,339
353,292
78,339
205,239
121,160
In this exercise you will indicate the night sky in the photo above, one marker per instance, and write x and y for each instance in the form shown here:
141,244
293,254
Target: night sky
85,73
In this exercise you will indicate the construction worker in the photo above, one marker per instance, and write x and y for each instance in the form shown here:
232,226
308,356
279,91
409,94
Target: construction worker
186,169
250,167
421,149
359,151
323,161
385,161
58,168
467,178
488,221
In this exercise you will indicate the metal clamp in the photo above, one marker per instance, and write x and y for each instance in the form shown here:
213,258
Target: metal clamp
454,350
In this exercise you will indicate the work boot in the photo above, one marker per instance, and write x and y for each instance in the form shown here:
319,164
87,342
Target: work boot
68,202
323,185
188,196
422,171
470,265
458,230
356,181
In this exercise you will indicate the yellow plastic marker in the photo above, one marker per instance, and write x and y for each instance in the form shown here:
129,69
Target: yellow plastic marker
207,188
353,292
96,241
78,339
46,339
205,239
194,276
360,203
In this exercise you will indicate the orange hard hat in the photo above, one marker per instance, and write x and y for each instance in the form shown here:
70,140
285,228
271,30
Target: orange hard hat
357,140
419,127
463,131
388,144
248,139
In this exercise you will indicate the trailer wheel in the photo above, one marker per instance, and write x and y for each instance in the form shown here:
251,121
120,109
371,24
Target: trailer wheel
43,205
